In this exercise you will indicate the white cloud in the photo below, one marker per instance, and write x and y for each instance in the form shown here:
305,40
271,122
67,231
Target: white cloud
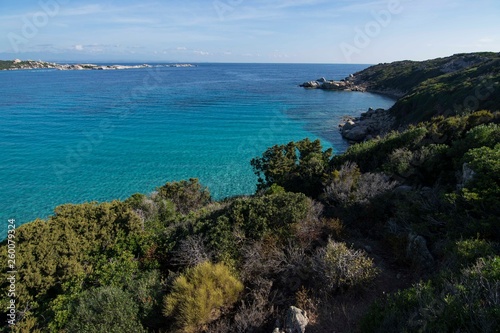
79,47
486,40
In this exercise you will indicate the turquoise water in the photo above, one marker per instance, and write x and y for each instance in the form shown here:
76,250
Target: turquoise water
77,136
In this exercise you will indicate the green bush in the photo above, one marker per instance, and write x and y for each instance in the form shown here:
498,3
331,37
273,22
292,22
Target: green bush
479,199
253,218
487,135
339,267
105,309
64,248
372,154
186,195
464,253
466,303
297,167
201,295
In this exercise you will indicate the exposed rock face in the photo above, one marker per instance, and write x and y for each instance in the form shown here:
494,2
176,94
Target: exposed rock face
462,62
418,253
369,125
467,176
311,84
345,84
295,322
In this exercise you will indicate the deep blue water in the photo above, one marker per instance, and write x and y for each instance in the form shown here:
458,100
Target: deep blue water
77,136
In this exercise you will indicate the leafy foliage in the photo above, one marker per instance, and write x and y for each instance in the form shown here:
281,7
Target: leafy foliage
146,263
186,195
464,303
105,309
297,166
201,294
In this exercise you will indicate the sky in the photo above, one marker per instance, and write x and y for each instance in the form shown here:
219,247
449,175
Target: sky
247,31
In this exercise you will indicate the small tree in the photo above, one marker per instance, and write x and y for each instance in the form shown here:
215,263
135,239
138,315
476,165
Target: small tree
297,167
201,294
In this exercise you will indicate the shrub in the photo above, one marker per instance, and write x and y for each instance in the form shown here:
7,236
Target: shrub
297,167
186,195
253,218
200,295
422,166
466,252
350,186
64,248
372,154
480,197
467,303
105,309
486,135
340,267
148,290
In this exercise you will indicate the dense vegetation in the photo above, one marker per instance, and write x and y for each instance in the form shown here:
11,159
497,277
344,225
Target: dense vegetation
398,234
444,86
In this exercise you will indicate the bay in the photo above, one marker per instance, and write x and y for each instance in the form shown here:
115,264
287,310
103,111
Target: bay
78,136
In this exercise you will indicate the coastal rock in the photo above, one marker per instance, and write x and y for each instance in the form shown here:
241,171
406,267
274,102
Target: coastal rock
372,123
322,83
311,84
356,133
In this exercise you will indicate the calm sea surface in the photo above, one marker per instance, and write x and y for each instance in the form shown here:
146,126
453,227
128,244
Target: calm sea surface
77,136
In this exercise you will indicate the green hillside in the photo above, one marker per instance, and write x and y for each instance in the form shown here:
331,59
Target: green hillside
398,234
446,86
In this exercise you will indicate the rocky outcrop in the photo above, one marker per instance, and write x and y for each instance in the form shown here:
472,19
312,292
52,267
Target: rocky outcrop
418,253
466,176
345,84
30,64
461,62
296,321
369,125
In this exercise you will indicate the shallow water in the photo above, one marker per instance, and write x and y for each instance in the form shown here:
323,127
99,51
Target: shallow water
77,136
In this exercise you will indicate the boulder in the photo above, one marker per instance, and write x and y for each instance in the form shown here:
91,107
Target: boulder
321,80
357,133
348,125
296,320
418,253
467,175
310,84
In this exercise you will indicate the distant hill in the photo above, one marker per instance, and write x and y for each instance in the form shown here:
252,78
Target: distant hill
444,86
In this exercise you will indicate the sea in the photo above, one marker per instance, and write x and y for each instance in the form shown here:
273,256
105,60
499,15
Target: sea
99,135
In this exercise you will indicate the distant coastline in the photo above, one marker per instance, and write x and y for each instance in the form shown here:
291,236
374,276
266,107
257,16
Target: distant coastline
18,64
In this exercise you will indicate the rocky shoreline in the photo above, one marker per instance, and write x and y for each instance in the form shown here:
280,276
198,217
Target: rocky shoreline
31,64
373,123
347,84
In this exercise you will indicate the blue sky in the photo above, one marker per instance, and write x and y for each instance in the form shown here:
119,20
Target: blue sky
295,31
